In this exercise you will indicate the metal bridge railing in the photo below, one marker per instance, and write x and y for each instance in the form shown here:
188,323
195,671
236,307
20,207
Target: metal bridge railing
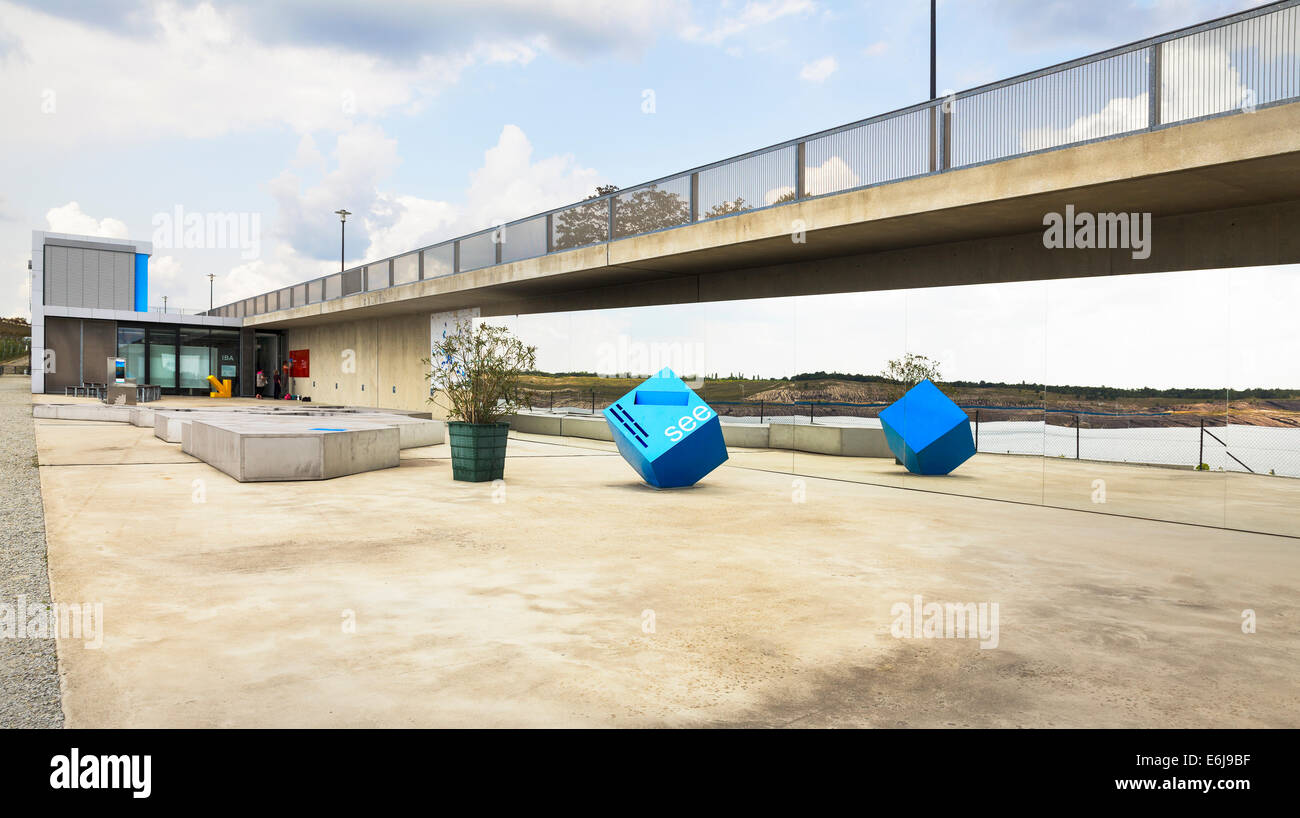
1234,64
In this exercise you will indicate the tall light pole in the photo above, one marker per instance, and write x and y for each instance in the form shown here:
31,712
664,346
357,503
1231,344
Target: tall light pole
933,87
210,277
164,303
343,220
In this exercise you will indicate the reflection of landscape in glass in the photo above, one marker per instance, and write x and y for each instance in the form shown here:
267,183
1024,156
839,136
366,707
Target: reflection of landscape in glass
581,225
651,208
1042,368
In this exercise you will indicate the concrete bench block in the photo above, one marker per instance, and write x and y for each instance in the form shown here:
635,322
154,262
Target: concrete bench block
82,411
263,450
142,418
167,426
413,432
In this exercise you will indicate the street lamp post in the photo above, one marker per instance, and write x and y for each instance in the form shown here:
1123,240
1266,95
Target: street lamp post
343,220
933,87
164,303
210,277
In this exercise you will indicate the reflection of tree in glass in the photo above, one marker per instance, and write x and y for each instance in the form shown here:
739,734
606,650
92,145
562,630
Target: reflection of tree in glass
649,209
726,208
584,224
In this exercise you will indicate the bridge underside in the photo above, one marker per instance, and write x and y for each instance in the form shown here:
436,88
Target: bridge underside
1222,193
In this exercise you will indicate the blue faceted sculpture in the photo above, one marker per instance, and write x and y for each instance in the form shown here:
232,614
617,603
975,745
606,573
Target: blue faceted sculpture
666,432
927,432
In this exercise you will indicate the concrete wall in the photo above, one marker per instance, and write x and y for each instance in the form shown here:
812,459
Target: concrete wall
819,438
369,362
846,441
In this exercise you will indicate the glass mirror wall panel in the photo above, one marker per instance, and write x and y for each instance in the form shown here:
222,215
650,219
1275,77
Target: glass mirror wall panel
1259,446
828,412
1137,367
982,346
439,261
406,268
478,251
131,346
162,356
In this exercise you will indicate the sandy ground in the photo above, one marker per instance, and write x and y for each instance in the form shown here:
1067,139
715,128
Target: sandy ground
530,604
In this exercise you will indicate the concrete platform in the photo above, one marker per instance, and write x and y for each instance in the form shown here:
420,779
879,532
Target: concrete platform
526,605
264,449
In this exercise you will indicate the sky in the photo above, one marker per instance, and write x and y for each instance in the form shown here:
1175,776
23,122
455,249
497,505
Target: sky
430,120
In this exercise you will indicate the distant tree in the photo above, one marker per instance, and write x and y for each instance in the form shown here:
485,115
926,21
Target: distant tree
911,369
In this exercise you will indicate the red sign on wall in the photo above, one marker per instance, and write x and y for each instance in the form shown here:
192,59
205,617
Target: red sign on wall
300,363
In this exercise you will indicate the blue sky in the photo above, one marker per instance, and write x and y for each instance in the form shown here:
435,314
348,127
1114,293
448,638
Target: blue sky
431,120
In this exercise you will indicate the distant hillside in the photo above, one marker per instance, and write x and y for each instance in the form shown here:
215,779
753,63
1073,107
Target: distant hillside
1103,406
15,327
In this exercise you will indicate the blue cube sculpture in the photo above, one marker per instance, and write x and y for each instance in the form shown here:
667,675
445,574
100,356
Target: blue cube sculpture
666,432
927,432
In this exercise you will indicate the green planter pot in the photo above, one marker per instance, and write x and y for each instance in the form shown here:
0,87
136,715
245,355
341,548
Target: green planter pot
478,450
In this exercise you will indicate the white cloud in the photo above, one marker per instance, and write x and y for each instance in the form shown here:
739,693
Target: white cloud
818,70
876,49
752,15
198,76
70,219
510,184
400,223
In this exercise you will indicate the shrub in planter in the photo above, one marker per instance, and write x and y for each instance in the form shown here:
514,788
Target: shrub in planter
476,370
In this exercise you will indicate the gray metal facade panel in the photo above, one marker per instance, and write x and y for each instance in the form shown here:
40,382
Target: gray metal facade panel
123,281
107,285
76,290
56,277
90,278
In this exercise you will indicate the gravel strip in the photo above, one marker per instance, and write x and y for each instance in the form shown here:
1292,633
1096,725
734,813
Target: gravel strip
29,669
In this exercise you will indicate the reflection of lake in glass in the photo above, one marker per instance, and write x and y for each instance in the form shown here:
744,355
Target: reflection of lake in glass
1262,448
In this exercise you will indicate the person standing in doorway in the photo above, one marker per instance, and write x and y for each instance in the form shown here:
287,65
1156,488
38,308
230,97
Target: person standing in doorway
288,382
261,384
276,393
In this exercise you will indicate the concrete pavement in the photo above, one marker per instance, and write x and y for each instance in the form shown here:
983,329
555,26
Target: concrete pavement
573,595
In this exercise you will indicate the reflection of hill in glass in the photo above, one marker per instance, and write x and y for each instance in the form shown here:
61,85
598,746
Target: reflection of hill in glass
1105,407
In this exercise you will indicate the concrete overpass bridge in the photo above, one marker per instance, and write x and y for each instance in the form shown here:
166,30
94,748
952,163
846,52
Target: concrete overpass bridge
1200,128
